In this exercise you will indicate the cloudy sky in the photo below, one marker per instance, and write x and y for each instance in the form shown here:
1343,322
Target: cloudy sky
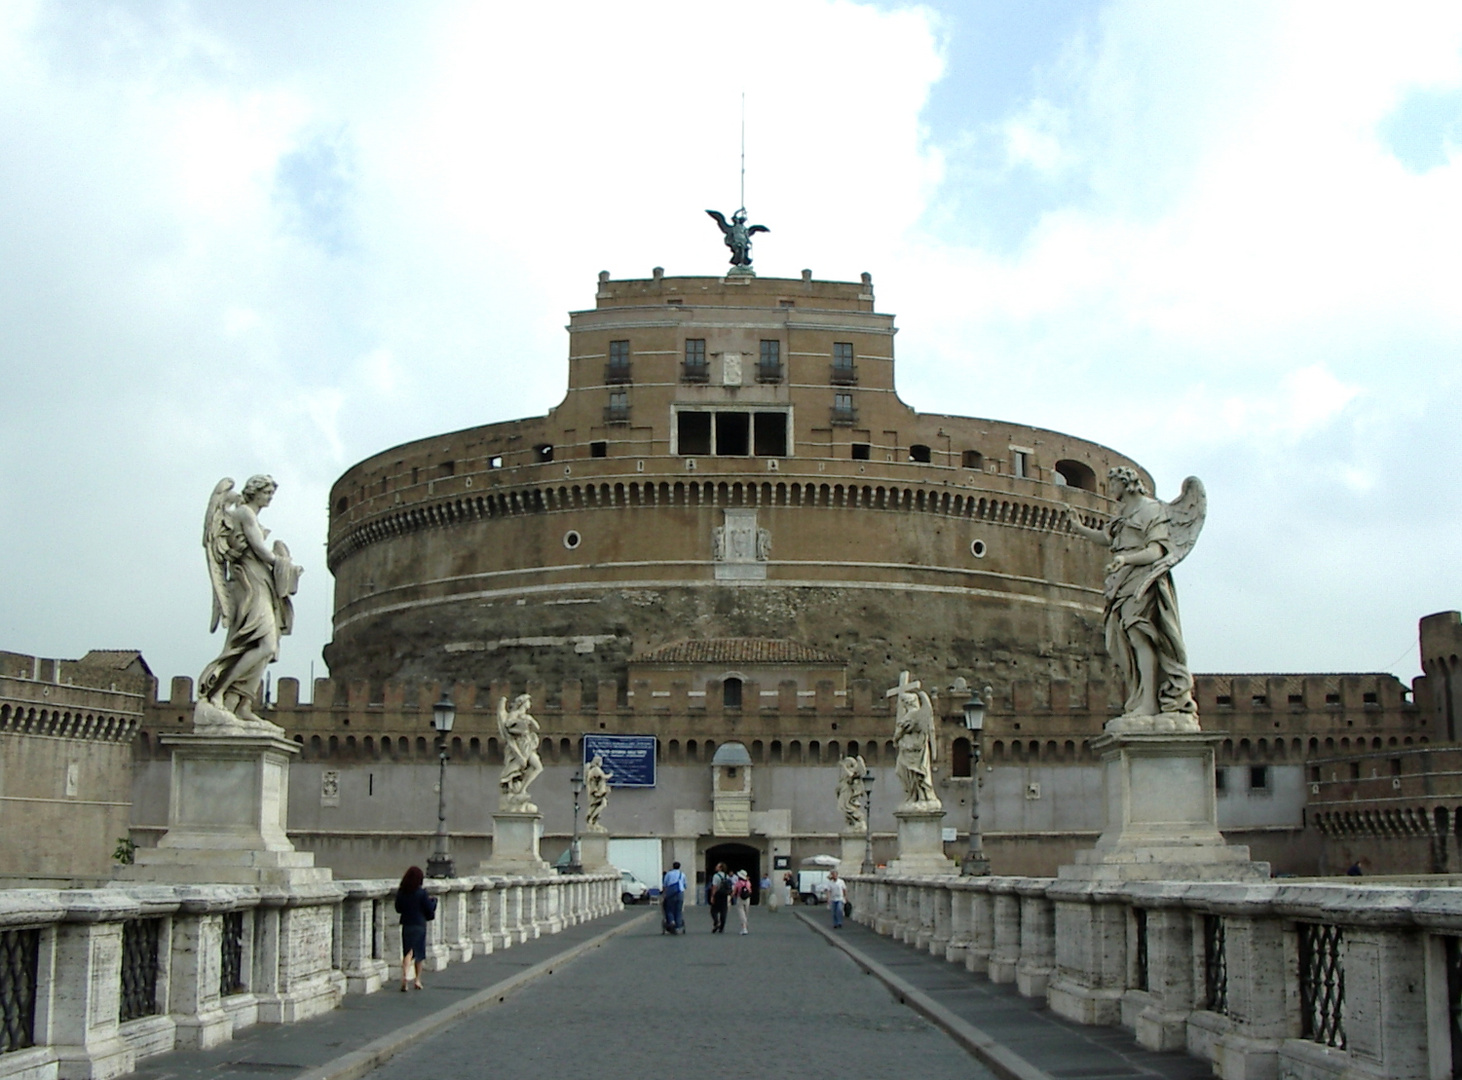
1223,238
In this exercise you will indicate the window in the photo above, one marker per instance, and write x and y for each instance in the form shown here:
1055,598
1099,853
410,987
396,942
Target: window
770,434
973,459
960,758
1220,780
861,451
1370,698
693,433
543,452
1020,462
1395,766
1258,777
1075,474
1225,700
495,462
446,468
617,411
599,448
843,370
733,434
1260,701
1332,699
1296,699
843,412
920,453
341,504
618,368
1355,770
695,369
731,693
769,365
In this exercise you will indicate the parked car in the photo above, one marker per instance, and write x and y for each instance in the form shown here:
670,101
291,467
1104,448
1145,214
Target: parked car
631,889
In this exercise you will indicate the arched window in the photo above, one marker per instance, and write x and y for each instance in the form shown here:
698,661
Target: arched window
731,692
960,757
1075,474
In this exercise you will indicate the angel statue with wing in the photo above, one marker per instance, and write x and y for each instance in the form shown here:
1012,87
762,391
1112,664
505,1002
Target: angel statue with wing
852,791
737,235
1149,537
252,585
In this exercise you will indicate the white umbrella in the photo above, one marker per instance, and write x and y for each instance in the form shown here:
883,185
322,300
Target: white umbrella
830,861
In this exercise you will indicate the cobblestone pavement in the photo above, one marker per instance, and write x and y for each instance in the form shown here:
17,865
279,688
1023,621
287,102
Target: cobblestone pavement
649,1005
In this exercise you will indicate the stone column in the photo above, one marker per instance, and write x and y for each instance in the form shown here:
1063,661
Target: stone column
309,985
1037,938
982,926
452,913
943,916
1161,1014
86,987
479,916
1091,953
497,911
1385,1011
1258,979
1005,957
886,918
959,921
926,894
364,968
195,970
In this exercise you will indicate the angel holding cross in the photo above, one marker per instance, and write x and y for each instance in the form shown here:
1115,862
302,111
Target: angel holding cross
913,737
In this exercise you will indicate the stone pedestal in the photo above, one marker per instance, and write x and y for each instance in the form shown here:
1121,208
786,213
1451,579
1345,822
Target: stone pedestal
594,853
855,846
226,816
515,837
1161,814
921,844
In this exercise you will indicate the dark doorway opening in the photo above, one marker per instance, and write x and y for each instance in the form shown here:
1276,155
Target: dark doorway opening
736,857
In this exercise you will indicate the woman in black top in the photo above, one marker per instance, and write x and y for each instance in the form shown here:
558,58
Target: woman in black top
416,908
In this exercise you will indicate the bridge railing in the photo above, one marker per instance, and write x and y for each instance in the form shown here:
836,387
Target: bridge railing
92,981
1300,981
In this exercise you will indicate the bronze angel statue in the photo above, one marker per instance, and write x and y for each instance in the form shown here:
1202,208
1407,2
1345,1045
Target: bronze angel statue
737,235
252,585
1149,537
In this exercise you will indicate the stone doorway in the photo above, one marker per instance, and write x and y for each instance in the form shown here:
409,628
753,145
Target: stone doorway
736,857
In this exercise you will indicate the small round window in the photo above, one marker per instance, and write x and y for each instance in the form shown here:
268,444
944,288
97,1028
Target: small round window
572,539
977,549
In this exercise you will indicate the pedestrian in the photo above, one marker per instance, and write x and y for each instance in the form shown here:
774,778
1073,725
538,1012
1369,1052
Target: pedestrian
741,897
789,894
416,909
672,899
768,891
837,897
719,893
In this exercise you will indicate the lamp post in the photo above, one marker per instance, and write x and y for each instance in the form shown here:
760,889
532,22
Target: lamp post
869,867
974,863
576,865
440,864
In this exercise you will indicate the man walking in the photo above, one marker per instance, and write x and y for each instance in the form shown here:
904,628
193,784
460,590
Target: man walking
672,899
837,897
720,896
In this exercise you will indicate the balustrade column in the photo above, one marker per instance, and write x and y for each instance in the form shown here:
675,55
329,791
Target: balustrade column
1091,952
479,916
497,914
959,922
982,926
886,917
1037,938
362,965
1159,1015
457,933
1259,1016
195,971
1005,957
86,987
926,894
943,916
1386,1003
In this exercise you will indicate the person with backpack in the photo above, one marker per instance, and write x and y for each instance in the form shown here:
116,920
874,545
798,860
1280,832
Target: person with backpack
672,900
741,897
719,895
416,909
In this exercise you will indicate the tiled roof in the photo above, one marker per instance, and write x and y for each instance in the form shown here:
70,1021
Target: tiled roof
737,651
113,658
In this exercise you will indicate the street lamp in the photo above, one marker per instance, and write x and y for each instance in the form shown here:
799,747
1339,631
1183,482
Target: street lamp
440,864
975,864
869,867
575,856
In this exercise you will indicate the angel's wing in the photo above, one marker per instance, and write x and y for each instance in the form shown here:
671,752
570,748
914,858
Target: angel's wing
753,230
1186,515
720,219
215,549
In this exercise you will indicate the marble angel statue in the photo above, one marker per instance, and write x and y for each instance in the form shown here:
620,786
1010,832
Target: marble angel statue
596,786
913,737
851,791
253,581
1147,538
521,763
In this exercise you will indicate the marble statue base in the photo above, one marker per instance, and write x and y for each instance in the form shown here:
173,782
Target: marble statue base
594,852
226,816
921,844
1162,814
855,846
515,837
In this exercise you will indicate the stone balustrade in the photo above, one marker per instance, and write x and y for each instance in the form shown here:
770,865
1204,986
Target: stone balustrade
94,981
1267,981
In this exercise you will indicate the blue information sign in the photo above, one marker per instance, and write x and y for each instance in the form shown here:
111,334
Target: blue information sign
629,758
